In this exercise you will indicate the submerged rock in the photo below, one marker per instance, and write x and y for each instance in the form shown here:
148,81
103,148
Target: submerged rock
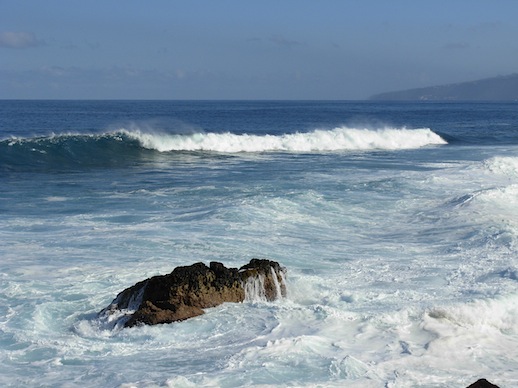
482,383
186,291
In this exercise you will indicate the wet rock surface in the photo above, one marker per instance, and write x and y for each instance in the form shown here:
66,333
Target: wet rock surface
188,290
482,383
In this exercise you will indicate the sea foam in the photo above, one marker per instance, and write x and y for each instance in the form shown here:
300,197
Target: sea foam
502,165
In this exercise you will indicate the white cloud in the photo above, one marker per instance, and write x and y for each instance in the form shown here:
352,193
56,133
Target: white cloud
10,39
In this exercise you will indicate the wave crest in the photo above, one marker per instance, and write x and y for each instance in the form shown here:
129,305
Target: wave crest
338,139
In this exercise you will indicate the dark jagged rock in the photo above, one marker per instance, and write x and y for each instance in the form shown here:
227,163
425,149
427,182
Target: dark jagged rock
186,291
482,383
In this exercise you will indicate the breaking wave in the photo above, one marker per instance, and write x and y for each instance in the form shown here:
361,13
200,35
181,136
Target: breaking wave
338,139
123,146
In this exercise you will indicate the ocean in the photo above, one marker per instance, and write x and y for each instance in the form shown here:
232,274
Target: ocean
397,224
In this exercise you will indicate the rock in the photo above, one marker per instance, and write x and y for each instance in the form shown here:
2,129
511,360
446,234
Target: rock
186,291
263,280
482,383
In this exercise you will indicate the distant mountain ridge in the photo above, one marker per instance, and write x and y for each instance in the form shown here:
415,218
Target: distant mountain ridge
501,88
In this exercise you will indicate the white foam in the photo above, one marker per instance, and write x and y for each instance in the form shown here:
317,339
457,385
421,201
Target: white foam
338,139
503,165
485,315
496,206
484,330
56,199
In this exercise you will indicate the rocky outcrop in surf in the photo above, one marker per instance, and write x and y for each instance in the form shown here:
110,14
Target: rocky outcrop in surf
482,383
186,291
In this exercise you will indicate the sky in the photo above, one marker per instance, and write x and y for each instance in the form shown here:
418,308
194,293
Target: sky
244,49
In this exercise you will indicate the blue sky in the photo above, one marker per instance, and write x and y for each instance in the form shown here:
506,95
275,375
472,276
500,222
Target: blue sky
239,49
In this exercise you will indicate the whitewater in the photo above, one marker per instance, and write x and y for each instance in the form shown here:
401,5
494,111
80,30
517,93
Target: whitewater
319,140
397,223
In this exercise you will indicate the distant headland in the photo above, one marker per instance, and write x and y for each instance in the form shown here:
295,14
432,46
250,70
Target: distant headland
502,88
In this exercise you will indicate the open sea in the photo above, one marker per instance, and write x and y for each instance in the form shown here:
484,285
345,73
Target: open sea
397,223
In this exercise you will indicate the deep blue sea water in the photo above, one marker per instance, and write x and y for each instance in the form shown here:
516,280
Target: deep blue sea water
397,223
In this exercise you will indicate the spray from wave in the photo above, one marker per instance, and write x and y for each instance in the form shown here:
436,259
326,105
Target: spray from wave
338,139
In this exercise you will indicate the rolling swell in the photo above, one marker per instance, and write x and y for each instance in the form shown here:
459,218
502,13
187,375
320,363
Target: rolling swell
68,152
